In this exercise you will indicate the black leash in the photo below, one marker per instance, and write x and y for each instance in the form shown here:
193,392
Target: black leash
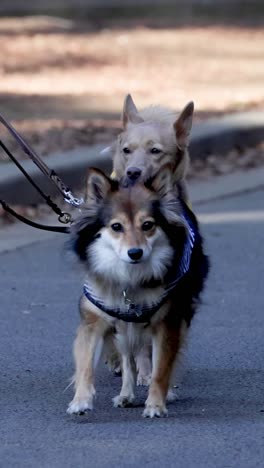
63,216
51,174
21,218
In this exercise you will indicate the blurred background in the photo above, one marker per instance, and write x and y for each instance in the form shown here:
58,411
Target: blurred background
66,65
65,68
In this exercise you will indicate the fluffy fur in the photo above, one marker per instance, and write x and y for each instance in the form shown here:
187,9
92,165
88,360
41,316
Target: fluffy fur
149,216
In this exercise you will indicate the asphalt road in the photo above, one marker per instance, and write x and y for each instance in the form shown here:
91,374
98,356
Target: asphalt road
218,420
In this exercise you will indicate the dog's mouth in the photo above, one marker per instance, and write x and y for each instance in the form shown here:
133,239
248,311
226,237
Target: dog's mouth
139,261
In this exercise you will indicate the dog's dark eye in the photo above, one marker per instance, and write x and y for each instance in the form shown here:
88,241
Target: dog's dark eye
155,150
147,225
117,227
126,150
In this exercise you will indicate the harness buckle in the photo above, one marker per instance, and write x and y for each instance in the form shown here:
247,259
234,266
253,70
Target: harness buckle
127,301
130,305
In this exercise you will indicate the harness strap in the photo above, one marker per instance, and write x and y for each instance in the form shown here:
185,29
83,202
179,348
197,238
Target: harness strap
133,313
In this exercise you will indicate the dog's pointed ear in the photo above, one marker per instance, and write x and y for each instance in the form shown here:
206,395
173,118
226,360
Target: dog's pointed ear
130,112
183,125
98,186
162,182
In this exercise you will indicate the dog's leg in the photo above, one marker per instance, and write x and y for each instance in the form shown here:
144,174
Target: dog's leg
143,361
167,340
112,356
87,350
127,395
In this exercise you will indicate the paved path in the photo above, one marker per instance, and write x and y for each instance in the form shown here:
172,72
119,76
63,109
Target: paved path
218,420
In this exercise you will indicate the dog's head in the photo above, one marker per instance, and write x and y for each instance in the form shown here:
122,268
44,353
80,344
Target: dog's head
129,234
151,139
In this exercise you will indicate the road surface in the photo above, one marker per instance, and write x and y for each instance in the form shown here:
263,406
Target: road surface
218,420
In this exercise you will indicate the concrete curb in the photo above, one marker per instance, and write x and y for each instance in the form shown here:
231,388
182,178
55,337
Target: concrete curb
19,235
225,186
213,136
220,135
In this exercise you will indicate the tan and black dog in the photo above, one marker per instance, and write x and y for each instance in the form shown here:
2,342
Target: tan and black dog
142,252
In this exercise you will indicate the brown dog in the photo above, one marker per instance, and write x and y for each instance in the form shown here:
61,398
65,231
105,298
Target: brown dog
151,139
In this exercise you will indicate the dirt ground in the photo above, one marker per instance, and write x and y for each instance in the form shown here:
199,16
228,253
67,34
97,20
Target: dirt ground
63,86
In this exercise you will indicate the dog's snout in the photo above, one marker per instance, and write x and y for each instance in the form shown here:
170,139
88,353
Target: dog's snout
135,254
133,173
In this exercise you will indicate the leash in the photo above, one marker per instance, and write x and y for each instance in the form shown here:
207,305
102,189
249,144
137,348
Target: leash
27,221
63,217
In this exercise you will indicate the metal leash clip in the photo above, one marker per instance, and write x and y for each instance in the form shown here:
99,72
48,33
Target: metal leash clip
130,305
69,198
127,301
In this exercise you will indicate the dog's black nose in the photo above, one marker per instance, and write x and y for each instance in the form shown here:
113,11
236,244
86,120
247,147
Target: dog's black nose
133,173
135,254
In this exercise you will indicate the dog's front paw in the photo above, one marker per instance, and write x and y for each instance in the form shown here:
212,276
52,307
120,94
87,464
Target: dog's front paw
152,411
143,380
122,401
80,406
